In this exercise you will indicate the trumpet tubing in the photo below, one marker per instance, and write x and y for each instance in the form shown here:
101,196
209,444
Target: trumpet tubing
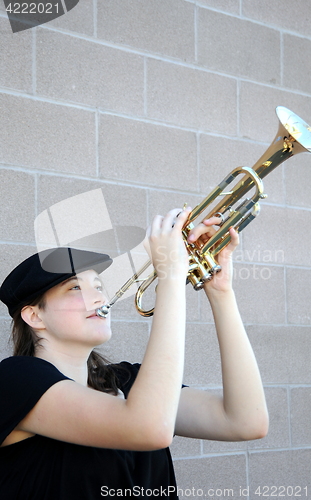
293,137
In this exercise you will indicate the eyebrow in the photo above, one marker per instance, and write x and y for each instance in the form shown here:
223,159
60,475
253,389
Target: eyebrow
73,278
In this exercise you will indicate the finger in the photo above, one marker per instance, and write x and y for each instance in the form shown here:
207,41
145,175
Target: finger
200,230
181,218
235,240
175,218
155,225
168,220
215,220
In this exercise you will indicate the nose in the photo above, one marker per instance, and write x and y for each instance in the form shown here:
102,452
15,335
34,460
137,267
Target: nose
99,298
93,299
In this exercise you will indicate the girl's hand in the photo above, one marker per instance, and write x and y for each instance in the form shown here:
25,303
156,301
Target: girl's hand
221,281
166,246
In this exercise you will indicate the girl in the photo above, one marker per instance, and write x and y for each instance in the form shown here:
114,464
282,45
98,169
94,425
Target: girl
72,427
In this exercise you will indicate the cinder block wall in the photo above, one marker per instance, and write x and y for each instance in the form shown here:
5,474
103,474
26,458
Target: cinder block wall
154,102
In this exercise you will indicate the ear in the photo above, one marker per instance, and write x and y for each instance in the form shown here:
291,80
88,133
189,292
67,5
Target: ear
30,315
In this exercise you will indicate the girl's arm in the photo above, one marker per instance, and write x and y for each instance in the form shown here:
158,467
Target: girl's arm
241,413
146,420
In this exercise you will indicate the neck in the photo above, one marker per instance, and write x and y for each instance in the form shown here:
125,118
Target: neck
73,365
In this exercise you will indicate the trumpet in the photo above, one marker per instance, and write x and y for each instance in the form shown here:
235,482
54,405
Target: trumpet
293,137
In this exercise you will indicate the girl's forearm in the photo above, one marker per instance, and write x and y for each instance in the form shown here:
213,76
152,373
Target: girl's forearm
244,400
157,387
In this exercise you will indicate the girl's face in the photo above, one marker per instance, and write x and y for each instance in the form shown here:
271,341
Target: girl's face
69,315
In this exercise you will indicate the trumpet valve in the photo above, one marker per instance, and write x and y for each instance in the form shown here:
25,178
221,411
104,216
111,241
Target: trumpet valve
202,268
198,281
213,266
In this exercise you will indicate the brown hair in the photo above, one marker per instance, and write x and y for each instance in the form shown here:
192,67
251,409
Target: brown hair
101,375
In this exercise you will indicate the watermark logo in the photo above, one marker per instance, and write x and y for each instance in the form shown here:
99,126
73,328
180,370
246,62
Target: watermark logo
27,15
83,222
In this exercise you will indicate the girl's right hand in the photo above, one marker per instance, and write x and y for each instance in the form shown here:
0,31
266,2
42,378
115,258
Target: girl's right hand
166,246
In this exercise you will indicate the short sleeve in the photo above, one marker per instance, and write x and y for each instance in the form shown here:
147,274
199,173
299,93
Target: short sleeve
126,374
23,380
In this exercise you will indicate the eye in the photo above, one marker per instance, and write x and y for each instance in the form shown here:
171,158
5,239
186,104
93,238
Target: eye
99,288
75,287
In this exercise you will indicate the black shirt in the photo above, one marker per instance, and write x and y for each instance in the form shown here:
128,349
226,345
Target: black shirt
40,468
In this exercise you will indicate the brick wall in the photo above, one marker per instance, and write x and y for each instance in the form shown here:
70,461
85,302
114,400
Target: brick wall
154,102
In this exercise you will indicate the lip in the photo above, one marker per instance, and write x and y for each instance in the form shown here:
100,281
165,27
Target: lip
93,315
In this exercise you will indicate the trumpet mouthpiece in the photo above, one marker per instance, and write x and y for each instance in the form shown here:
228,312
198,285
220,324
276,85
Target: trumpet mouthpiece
102,312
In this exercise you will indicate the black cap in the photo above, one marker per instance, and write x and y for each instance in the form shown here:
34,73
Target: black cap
43,270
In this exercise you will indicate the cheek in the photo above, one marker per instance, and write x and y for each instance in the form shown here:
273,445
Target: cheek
62,317
61,323
68,305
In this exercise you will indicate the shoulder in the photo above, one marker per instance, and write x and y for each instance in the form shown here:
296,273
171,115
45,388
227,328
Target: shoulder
23,381
26,377
25,367
16,362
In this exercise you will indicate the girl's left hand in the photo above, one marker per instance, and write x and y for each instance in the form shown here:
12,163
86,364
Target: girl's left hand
222,281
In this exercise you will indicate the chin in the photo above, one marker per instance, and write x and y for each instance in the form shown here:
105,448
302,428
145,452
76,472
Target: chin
102,337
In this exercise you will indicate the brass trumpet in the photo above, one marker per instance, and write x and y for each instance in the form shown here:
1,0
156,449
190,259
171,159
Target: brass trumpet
293,137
